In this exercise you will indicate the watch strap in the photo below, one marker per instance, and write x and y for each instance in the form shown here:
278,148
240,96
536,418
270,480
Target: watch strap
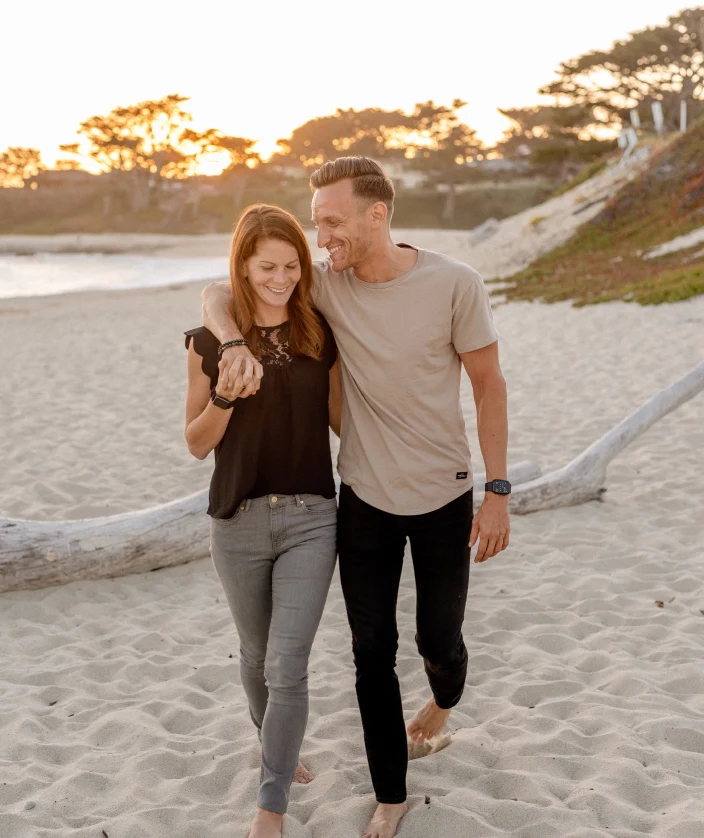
219,401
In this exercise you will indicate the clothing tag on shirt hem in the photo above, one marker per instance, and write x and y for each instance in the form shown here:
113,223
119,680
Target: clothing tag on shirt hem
462,475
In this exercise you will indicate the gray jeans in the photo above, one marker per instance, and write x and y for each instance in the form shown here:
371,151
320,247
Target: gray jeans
275,560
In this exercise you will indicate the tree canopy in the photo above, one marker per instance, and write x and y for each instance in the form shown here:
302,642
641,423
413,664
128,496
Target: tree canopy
433,135
552,138
372,132
143,136
18,164
439,140
664,63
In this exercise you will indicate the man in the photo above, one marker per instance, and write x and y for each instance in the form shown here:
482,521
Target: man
405,321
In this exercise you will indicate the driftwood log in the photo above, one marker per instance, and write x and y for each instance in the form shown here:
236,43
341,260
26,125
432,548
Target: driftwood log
37,554
583,479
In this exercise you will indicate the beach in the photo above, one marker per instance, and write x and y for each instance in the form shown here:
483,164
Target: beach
121,708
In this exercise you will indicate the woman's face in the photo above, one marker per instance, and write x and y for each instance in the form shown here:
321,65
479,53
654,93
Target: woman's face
273,272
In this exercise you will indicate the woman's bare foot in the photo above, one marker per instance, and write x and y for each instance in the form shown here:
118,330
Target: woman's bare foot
428,721
266,824
302,775
386,820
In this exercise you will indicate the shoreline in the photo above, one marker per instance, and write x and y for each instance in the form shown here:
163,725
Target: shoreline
111,243
89,293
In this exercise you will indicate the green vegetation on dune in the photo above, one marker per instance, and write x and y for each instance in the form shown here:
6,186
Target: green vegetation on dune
603,260
583,175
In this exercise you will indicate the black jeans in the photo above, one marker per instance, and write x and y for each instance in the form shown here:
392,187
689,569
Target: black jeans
371,545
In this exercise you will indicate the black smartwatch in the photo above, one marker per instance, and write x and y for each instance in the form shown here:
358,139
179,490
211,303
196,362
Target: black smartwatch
219,401
498,487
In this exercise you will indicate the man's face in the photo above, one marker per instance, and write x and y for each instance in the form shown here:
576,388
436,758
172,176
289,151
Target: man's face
344,224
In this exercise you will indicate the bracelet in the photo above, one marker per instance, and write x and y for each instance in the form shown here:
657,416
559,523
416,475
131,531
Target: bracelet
229,343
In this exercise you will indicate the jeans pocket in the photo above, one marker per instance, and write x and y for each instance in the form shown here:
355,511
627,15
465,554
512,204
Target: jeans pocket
318,505
228,522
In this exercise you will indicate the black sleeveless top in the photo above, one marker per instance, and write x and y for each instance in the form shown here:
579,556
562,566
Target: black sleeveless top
277,440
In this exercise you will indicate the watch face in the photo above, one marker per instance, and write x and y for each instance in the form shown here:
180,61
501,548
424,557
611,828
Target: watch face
502,487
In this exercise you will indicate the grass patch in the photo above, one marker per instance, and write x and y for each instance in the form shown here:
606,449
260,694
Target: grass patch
536,221
601,262
582,176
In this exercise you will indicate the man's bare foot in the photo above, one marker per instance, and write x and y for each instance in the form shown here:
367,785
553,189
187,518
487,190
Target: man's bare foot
418,748
266,824
302,775
427,722
386,820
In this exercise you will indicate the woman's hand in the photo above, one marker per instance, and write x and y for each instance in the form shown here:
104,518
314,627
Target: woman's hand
230,381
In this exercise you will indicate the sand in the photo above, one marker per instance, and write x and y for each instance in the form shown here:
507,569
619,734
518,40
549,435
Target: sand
691,239
121,709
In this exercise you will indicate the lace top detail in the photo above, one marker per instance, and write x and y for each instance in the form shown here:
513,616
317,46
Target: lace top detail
275,349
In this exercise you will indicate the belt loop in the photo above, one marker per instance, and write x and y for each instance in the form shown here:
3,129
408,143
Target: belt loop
247,504
299,500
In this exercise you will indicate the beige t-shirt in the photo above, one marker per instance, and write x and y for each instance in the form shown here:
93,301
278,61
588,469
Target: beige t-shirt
404,446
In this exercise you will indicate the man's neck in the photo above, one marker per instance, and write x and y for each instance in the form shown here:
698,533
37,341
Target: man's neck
387,262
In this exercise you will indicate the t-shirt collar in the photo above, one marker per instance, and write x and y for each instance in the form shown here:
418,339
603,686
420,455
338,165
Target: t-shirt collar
398,279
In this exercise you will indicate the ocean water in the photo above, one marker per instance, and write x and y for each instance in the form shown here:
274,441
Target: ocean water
60,273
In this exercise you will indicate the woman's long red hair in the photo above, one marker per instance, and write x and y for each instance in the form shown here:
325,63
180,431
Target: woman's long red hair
255,224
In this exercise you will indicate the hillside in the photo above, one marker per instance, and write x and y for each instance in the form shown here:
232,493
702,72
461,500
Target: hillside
613,256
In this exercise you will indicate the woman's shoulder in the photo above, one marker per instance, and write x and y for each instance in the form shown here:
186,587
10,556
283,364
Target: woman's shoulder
206,345
204,341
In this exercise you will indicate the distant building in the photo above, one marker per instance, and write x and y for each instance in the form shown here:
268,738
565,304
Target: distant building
501,164
402,174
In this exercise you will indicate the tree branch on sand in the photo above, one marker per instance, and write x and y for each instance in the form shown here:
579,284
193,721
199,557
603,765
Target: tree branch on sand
583,479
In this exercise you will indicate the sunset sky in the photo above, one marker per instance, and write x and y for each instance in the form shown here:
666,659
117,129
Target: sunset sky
260,69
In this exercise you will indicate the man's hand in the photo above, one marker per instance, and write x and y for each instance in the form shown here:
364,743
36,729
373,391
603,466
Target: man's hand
226,387
216,304
491,526
248,369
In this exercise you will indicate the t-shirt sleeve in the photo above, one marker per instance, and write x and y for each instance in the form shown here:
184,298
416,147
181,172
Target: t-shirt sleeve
472,318
206,345
329,354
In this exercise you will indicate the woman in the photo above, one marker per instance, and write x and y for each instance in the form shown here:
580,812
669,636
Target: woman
272,495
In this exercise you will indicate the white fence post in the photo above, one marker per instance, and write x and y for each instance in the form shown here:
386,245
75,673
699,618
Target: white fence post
683,116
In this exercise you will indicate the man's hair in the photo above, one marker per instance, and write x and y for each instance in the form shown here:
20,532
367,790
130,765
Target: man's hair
369,181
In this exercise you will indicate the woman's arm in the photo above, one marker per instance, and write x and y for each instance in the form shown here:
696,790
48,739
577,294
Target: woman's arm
335,398
205,422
